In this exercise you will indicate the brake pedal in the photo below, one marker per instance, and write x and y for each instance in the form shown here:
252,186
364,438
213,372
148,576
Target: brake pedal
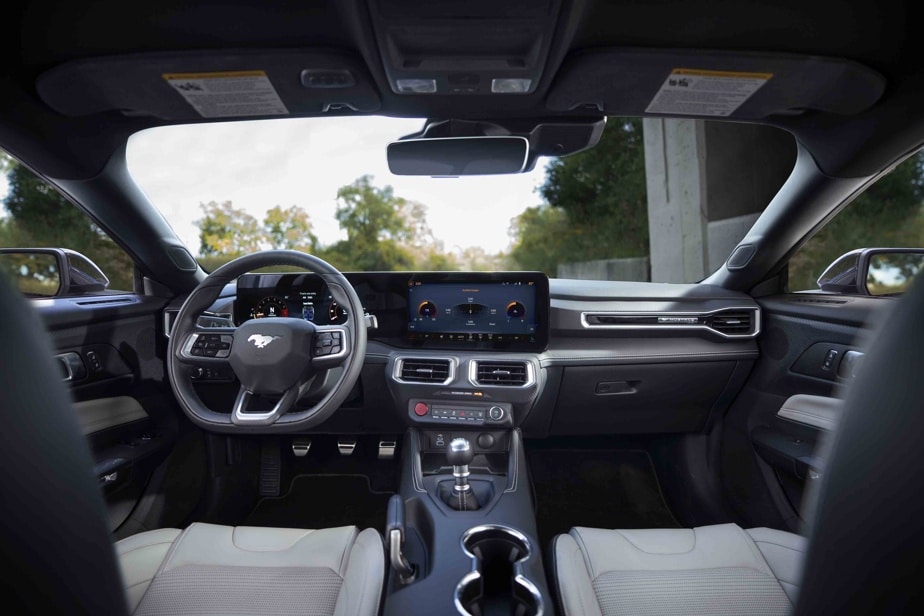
346,446
300,447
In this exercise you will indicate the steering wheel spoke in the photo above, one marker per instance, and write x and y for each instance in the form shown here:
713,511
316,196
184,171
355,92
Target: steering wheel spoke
242,417
331,346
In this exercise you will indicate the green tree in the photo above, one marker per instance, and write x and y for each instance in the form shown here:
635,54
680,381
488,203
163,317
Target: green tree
889,213
227,231
290,229
595,205
371,216
40,217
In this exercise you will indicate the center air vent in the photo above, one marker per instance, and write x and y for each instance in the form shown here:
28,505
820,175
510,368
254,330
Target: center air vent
421,370
502,373
733,322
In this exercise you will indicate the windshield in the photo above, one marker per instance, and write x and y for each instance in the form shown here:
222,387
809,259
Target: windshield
322,185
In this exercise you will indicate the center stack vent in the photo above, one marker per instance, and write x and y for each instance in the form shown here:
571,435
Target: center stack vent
502,373
417,370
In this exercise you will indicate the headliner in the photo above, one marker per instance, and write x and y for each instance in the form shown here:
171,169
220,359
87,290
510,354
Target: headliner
877,35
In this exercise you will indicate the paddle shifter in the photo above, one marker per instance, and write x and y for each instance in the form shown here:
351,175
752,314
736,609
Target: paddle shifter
460,455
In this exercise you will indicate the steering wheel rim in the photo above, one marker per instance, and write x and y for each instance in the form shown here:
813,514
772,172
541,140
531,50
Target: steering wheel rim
185,326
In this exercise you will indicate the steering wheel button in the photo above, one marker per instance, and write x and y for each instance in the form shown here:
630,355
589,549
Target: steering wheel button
336,335
421,409
335,349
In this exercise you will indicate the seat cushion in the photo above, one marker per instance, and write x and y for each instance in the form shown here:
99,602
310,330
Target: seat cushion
711,570
209,569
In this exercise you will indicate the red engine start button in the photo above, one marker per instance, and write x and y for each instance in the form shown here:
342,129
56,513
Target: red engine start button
421,408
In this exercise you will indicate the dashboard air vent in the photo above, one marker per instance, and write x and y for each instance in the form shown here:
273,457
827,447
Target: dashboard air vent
425,370
509,374
733,322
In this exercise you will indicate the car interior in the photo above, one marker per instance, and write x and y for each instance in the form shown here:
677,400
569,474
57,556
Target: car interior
277,436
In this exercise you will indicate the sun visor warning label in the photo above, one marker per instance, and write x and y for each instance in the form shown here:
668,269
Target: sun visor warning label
228,94
705,93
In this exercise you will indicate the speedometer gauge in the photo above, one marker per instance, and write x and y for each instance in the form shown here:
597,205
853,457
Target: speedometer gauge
270,306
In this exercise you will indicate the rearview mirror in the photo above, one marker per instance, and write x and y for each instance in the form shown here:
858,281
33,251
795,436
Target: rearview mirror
873,271
51,272
454,156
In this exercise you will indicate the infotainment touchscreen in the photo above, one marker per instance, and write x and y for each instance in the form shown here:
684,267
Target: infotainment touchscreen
479,310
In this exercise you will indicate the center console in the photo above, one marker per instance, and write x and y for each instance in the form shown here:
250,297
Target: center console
462,532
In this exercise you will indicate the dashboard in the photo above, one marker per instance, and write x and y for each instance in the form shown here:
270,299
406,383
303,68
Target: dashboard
504,311
502,349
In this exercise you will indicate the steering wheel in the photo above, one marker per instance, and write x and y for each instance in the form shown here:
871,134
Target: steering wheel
274,359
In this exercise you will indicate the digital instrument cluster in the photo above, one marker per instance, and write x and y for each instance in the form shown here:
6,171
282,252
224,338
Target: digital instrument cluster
301,296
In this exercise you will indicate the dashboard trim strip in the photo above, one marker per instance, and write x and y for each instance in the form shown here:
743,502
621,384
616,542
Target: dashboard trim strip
670,327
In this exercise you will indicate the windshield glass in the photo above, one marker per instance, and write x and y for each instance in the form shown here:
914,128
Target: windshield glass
322,185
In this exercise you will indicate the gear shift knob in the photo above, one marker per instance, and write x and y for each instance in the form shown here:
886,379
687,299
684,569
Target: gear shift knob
460,452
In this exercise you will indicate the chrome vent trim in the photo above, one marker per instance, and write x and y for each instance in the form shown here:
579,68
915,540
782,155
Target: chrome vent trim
425,370
732,322
514,373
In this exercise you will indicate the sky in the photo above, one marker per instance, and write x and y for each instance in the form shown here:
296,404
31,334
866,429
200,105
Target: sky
260,164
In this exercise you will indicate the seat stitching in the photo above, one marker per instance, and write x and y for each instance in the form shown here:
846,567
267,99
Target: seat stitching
173,548
347,549
644,551
147,581
580,594
579,539
236,546
785,547
752,545
145,546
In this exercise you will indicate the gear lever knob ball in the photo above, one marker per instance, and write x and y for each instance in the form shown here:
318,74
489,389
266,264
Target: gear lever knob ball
460,452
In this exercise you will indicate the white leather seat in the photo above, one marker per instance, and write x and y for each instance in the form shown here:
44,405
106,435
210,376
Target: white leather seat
710,570
209,569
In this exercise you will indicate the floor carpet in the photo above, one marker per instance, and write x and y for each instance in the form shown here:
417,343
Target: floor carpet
596,488
322,501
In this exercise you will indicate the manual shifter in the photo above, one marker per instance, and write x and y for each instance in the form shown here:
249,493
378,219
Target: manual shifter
460,455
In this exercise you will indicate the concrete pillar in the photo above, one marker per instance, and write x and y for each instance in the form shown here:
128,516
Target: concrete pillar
707,183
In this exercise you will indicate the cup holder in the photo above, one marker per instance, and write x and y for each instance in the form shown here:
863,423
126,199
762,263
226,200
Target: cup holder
496,584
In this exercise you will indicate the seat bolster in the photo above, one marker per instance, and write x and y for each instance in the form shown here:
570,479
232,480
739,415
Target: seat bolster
785,553
573,578
704,547
210,544
361,591
140,557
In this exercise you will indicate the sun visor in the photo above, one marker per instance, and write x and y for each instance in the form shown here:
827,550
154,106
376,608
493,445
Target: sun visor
745,86
189,86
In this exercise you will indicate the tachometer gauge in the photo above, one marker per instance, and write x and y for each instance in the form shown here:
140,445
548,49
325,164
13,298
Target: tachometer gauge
270,307
335,313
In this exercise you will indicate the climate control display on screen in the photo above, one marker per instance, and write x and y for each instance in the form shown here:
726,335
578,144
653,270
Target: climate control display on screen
473,311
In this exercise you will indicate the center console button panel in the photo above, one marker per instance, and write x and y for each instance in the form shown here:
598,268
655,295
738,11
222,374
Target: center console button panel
460,413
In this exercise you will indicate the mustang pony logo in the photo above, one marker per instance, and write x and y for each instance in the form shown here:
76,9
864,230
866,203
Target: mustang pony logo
260,341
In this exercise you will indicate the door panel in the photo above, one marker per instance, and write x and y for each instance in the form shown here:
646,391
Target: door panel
810,345
111,350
